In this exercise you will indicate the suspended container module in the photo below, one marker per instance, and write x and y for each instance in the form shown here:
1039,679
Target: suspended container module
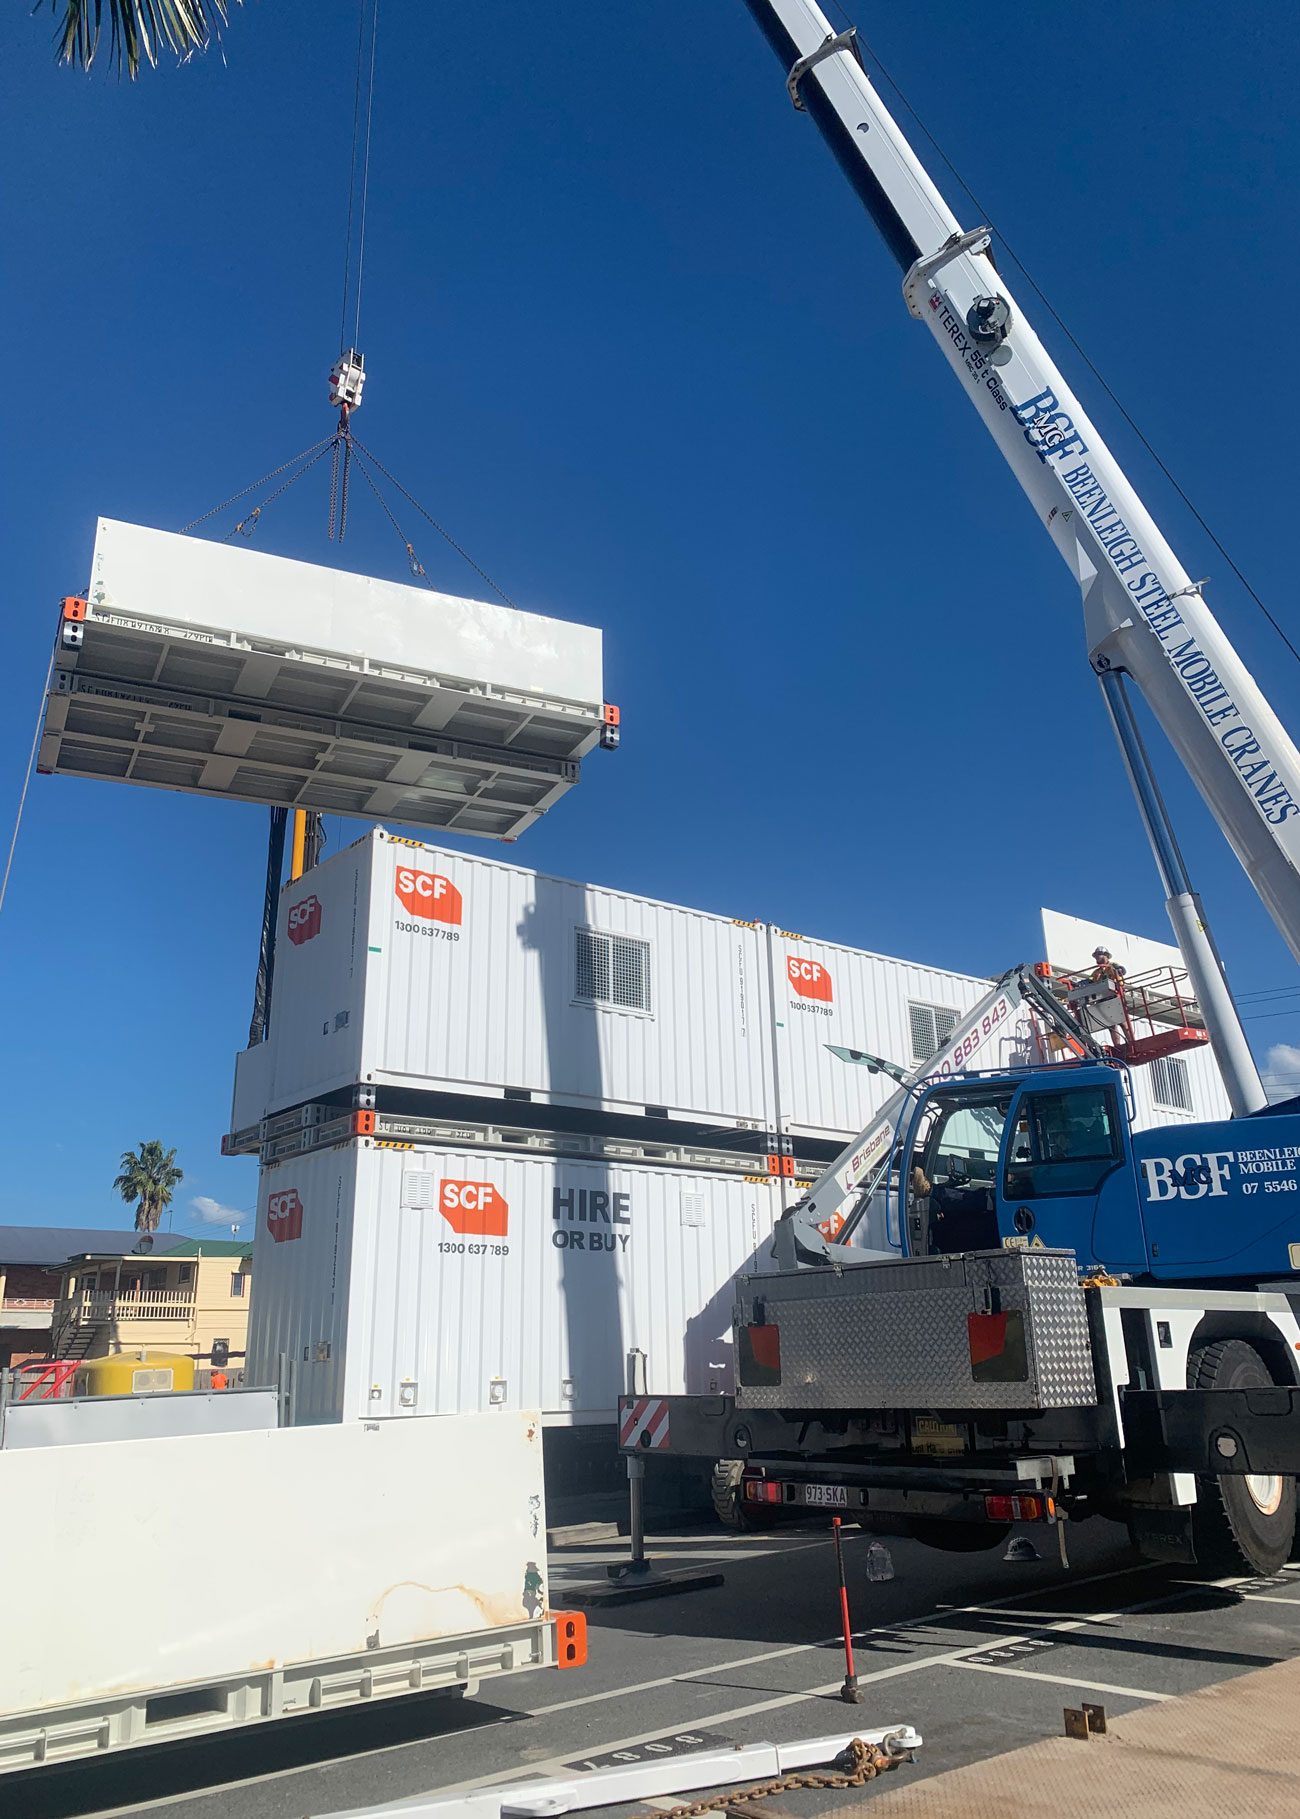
404,966
229,673
440,1281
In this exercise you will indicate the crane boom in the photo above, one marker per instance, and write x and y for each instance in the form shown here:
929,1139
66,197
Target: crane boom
1142,613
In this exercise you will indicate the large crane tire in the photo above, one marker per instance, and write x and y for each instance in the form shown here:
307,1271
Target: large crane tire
1239,1524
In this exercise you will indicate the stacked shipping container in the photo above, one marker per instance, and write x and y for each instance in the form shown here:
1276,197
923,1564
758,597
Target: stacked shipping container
427,1276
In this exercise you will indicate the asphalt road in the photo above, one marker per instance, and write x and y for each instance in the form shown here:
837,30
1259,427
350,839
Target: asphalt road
979,1654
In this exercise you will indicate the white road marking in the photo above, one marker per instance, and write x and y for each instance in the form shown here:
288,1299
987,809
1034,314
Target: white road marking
1096,1686
554,1764
1265,1598
695,1679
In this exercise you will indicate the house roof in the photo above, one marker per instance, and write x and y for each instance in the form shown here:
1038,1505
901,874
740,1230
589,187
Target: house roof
210,1247
51,1245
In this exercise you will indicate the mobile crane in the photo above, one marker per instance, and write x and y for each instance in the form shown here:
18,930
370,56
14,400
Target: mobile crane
1000,1302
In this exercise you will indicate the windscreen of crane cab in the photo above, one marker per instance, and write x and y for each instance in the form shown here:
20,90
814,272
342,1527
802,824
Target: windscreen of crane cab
951,1185
1063,1143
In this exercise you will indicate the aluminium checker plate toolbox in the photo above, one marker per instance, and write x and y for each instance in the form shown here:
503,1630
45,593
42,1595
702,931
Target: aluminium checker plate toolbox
908,1335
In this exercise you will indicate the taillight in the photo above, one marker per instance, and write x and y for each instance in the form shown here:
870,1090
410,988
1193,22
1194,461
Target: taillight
1019,1509
762,1490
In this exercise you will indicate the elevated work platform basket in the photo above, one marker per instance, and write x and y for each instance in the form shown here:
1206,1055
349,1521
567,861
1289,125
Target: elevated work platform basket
230,673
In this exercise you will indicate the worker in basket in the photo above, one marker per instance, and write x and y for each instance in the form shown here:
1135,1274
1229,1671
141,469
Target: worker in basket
1104,967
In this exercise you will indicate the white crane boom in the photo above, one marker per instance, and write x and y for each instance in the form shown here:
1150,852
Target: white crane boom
1142,612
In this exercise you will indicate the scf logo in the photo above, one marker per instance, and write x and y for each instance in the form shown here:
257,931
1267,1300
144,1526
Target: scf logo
1189,1177
809,978
284,1215
428,894
474,1209
304,920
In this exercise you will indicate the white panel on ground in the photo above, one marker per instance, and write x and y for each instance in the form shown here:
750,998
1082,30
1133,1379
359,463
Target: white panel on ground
230,673
355,1546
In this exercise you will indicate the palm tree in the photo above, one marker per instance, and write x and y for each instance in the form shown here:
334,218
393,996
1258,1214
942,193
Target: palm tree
136,29
148,1177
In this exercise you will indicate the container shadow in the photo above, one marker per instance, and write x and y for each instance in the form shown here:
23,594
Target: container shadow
174,1770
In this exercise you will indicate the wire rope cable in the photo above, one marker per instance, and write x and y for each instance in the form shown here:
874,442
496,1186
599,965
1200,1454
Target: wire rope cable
365,171
317,448
352,168
31,764
446,534
245,525
1047,304
359,172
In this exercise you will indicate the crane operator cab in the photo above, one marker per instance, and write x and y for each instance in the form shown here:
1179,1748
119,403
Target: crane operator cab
1031,1161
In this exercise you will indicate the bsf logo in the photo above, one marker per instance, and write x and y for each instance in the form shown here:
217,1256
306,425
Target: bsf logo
474,1209
429,895
809,978
1048,430
1188,1177
304,920
284,1215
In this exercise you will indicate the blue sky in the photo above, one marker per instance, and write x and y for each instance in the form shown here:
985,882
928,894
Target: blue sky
631,338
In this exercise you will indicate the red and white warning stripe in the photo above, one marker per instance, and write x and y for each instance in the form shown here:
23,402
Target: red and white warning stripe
644,1423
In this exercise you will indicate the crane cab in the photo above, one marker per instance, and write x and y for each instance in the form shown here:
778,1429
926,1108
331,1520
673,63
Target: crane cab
1040,1159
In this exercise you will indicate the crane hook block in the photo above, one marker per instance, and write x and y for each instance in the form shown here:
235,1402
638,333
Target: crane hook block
347,376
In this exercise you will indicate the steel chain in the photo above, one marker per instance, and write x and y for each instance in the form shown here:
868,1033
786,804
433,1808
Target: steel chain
864,1762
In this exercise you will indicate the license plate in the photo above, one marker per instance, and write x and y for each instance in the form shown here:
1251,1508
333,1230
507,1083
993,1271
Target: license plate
828,1496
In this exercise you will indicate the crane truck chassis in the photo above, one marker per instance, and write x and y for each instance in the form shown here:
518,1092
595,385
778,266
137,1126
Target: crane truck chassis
1002,1303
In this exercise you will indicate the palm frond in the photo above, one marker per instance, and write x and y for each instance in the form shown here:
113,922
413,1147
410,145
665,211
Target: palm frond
137,29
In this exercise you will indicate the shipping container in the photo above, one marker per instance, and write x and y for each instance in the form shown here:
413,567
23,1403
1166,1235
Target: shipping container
228,672
409,1281
825,996
401,965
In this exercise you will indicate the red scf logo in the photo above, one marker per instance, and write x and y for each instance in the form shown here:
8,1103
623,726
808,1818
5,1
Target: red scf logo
428,894
284,1215
474,1209
304,920
809,978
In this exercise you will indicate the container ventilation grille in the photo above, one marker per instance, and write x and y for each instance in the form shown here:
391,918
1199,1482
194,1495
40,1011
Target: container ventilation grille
930,1025
1169,1084
611,969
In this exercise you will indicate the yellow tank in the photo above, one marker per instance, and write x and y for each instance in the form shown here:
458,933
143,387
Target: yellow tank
134,1374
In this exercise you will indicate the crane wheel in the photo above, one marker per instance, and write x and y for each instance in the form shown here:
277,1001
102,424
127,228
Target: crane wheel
1239,1524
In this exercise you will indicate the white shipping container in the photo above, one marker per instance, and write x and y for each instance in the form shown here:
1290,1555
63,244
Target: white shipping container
404,965
825,995
417,1281
1182,1089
